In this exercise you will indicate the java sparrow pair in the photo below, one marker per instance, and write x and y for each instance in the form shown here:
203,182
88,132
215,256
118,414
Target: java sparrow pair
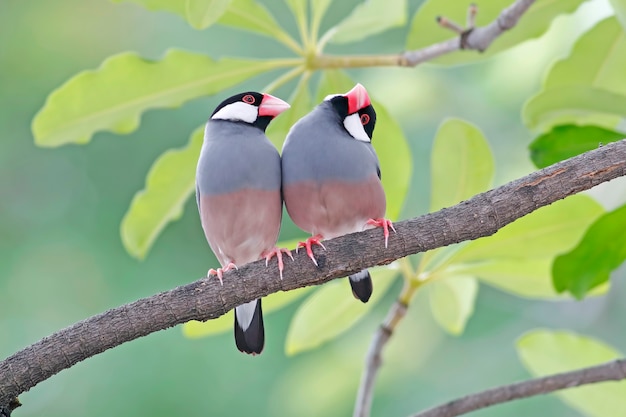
330,183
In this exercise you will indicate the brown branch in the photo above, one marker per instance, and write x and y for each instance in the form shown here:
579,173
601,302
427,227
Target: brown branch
206,299
610,371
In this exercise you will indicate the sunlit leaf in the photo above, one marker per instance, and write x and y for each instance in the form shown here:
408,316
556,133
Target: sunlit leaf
114,96
196,329
300,105
203,13
178,7
523,277
597,59
452,302
574,105
620,11
545,352
517,258
534,23
332,310
169,184
547,231
389,141
369,18
563,142
588,87
252,16
602,249
461,164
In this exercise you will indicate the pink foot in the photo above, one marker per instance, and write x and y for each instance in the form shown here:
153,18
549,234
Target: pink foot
278,252
385,224
220,271
313,240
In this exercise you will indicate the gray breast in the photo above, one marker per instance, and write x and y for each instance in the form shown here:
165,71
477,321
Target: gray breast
319,148
235,156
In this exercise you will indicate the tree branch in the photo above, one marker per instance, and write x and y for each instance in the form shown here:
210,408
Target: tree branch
206,299
477,39
374,359
610,371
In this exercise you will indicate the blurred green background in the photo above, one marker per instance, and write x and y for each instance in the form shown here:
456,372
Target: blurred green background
61,258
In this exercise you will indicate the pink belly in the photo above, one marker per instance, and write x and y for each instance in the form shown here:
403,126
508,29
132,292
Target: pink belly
239,226
334,208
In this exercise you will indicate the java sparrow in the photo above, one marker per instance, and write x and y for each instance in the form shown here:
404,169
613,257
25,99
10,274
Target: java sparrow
331,175
238,191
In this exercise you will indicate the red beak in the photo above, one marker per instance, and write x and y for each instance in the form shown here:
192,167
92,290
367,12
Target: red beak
357,99
272,106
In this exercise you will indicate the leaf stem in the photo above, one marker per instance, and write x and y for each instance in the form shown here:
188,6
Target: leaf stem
289,42
284,79
323,61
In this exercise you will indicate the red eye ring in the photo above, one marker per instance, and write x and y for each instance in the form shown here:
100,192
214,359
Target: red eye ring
365,119
248,98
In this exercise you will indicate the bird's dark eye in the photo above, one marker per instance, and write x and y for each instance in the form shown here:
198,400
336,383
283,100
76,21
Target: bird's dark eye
248,98
365,119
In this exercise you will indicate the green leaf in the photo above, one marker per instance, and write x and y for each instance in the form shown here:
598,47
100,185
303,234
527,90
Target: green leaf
528,278
113,97
602,249
300,105
563,142
169,184
545,352
535,22
452,302
332,310
620,11
273,302
200,14
178,7
597,59
588,86
575,104
517,258
546,232
389,141
369,18
461,164
252,16
203,13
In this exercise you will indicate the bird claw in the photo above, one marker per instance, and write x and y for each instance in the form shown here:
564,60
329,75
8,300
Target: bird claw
219,272
313,240
278,252
385,224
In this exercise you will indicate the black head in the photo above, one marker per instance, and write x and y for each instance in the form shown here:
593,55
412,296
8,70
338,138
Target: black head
254,108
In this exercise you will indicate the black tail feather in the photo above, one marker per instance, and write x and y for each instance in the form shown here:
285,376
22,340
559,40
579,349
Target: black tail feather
362,286
252,339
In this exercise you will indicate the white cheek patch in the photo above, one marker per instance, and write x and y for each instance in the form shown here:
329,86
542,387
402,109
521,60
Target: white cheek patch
353,125
238,111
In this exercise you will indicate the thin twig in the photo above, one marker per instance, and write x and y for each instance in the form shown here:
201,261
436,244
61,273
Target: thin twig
374,360
482,215
610,371
477,39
